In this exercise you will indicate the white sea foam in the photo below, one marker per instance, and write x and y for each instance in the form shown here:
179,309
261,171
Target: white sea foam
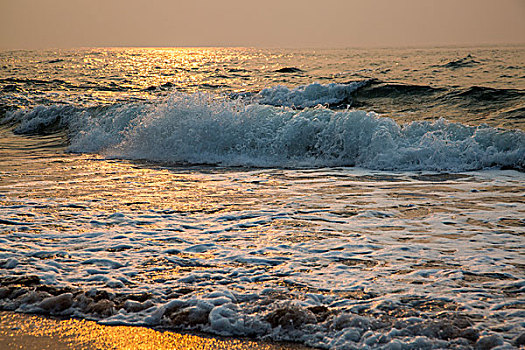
199,129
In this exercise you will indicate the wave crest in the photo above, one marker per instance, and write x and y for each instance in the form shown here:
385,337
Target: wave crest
309,95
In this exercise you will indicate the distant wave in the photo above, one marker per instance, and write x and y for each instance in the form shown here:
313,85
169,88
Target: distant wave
57,60
374,88
200,129
289,70
467,61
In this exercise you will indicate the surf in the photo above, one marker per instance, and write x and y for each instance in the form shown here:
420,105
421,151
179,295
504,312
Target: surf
203,129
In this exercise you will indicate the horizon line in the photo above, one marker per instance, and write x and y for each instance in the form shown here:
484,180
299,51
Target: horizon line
357,47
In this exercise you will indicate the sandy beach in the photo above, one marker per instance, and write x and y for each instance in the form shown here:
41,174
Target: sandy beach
21,331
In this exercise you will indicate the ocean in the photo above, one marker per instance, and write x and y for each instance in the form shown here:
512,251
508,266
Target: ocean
341,199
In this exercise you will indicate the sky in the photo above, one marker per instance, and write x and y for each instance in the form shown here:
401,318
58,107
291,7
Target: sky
38,24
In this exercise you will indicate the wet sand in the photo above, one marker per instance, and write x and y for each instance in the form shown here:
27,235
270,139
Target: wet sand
21,331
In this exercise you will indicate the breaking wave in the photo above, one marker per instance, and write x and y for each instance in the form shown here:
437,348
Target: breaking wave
201,129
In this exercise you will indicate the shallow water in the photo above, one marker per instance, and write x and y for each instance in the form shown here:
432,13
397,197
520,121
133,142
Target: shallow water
265,215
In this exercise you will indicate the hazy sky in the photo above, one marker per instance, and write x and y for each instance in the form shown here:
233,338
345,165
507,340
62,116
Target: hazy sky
266,23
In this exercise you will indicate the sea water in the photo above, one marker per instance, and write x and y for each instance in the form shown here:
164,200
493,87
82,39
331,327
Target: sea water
337,198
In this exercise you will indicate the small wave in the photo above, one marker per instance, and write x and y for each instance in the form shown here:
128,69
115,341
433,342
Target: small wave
238,70
289,70
377,89
199,129
58,60
111,86
166,86
467,61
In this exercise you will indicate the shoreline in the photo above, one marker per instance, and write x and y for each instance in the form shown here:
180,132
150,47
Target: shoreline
27,331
